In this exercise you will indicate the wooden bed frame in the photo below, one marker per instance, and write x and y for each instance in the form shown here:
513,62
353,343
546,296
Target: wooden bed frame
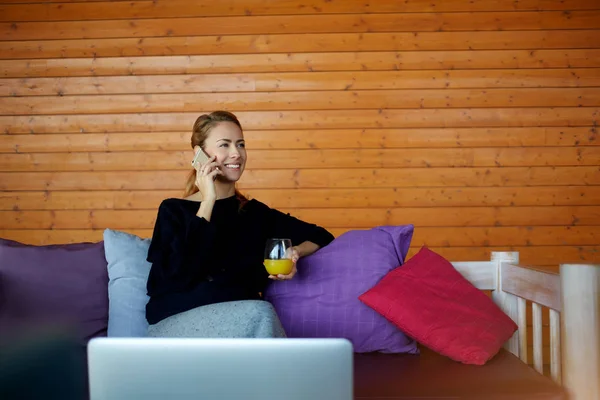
573,299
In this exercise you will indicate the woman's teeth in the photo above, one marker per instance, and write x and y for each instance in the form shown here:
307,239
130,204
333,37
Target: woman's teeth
232,166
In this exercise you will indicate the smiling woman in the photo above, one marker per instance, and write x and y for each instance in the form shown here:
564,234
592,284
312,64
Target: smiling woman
207,247
219,135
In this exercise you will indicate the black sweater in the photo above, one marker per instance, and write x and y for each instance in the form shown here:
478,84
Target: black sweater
196,262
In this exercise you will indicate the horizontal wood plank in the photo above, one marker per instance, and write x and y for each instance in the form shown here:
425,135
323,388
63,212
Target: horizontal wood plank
315,198
332,218
310,139
544,256
317,119
309,158
301,62
310,178
183,8
292,43
430,236
540,287
316,23
543,79
323,100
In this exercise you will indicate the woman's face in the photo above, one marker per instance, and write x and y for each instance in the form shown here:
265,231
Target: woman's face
226,141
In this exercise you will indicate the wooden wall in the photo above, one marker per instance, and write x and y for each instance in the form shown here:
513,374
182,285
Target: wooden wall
475,121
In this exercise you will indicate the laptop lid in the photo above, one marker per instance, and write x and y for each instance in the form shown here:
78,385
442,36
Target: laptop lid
193,368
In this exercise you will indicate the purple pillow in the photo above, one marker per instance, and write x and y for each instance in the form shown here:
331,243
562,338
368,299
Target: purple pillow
322,299
64,286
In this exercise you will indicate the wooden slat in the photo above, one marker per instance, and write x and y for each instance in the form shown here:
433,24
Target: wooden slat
292,43
306,81
185,8
440,236
326,23
581,328
324,100
538,360
342,218
534,255
52,236
310,139
300,62
540,287
545,329
306,159
555,347
319,119
311,178
481,274
341,198
522,324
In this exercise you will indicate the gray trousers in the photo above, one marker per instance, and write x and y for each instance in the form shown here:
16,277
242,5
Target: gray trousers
232,319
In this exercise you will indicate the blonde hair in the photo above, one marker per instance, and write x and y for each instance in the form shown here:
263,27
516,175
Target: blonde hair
202,127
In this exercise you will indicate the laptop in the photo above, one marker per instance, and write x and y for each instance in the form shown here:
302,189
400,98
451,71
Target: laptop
207,369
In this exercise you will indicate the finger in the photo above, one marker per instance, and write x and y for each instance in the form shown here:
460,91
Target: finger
213,175
285,277
211,167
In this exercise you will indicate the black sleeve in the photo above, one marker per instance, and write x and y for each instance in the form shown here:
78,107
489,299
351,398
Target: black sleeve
179,250
286,226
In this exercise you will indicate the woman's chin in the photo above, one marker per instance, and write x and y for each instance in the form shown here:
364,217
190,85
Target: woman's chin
230,176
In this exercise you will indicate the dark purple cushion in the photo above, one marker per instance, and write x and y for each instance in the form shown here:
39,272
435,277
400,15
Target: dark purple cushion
58,286
322,299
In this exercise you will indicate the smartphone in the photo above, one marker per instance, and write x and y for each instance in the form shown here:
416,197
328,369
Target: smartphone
199,158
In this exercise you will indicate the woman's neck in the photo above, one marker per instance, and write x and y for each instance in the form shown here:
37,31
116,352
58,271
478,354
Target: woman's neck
224,190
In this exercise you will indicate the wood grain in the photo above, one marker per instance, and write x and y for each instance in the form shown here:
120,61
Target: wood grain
332,218
183,8
323,198
555,347
297,43
324,100
315,119
475,121
311,178
302,62
310,159
305,81
538,357
310,139
324,23
536,286
535,255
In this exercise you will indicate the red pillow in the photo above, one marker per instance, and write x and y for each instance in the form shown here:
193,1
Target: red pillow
429,300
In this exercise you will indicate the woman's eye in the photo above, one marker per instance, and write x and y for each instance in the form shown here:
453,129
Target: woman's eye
242,145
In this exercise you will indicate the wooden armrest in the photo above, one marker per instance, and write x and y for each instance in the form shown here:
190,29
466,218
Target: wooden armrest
536,285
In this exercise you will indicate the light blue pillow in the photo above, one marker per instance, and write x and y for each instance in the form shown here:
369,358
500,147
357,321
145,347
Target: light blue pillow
127,273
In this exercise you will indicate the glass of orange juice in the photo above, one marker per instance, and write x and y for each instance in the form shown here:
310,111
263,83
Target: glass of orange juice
278,256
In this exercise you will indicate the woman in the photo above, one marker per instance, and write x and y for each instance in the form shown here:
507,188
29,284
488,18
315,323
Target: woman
207,271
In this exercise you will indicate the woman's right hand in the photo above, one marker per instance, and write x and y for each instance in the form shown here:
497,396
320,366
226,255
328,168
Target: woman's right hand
205,179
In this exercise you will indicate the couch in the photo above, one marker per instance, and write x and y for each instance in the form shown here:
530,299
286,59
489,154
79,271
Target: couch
64,295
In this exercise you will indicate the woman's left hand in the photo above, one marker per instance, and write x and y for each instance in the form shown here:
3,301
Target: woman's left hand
295,258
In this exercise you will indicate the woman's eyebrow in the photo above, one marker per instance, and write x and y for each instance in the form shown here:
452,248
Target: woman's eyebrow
229,140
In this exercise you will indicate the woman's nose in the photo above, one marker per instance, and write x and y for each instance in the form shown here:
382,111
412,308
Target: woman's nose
234,153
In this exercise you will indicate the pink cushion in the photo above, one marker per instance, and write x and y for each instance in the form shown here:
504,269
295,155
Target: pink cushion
428,299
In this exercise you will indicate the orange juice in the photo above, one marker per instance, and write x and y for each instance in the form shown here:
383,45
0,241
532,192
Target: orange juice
276,267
